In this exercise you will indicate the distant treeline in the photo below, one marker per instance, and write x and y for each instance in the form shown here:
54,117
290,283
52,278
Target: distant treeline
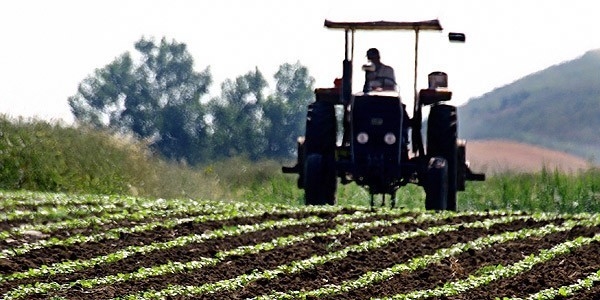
161,99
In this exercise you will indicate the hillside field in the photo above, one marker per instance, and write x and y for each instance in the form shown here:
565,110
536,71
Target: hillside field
57,246
555,108
494,156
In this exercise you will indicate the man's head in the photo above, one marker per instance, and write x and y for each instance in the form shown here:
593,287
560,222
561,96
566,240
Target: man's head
373,54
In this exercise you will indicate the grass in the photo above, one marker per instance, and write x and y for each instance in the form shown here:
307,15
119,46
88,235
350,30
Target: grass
39,156
547,190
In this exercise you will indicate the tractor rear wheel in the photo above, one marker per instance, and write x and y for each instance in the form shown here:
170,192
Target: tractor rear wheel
436,184
442,142
321,128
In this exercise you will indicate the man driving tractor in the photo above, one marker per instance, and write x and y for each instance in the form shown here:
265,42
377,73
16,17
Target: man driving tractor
381,77
378,76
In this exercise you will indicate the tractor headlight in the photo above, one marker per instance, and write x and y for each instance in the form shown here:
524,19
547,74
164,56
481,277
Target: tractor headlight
389,138
362,138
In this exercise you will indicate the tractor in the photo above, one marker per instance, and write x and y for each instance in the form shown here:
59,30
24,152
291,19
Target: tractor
374,131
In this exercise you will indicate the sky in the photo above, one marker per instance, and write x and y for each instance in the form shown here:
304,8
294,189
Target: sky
49,47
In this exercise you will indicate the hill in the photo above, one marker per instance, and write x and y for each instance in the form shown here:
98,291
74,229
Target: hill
493,156
557,108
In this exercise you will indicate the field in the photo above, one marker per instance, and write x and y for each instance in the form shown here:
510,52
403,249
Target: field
503,155
57,246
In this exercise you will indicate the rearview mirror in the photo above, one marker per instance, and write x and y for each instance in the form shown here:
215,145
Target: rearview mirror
456,37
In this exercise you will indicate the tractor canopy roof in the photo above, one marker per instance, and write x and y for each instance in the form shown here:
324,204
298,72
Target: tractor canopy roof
386,25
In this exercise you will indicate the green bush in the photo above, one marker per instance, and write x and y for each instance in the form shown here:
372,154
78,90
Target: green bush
39,156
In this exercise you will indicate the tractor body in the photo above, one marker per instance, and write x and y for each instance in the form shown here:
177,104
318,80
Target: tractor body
374,128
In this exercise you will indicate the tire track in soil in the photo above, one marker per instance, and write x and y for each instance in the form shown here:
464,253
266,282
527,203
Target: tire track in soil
187,253
356,264
55,254
562,270
461,266
235,266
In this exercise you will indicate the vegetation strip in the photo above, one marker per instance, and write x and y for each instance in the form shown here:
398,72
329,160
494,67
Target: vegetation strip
173,267
414,264
28,198
489,274
59,212
102,204
116,232
298,266
189,209
37,199
563,291
8,202
60,217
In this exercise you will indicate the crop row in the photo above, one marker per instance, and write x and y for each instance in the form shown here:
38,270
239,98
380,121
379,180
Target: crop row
209,211
483,277
299,266
72,266
202,237
131,216
61,210
427,260
117,232
488,275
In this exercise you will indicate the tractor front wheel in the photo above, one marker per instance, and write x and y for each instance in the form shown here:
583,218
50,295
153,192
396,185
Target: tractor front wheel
320,180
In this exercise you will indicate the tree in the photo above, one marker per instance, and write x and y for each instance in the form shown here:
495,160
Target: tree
285,111
245,122
157,99
237,123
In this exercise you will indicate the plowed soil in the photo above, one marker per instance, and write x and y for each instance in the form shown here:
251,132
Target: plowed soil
555,273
